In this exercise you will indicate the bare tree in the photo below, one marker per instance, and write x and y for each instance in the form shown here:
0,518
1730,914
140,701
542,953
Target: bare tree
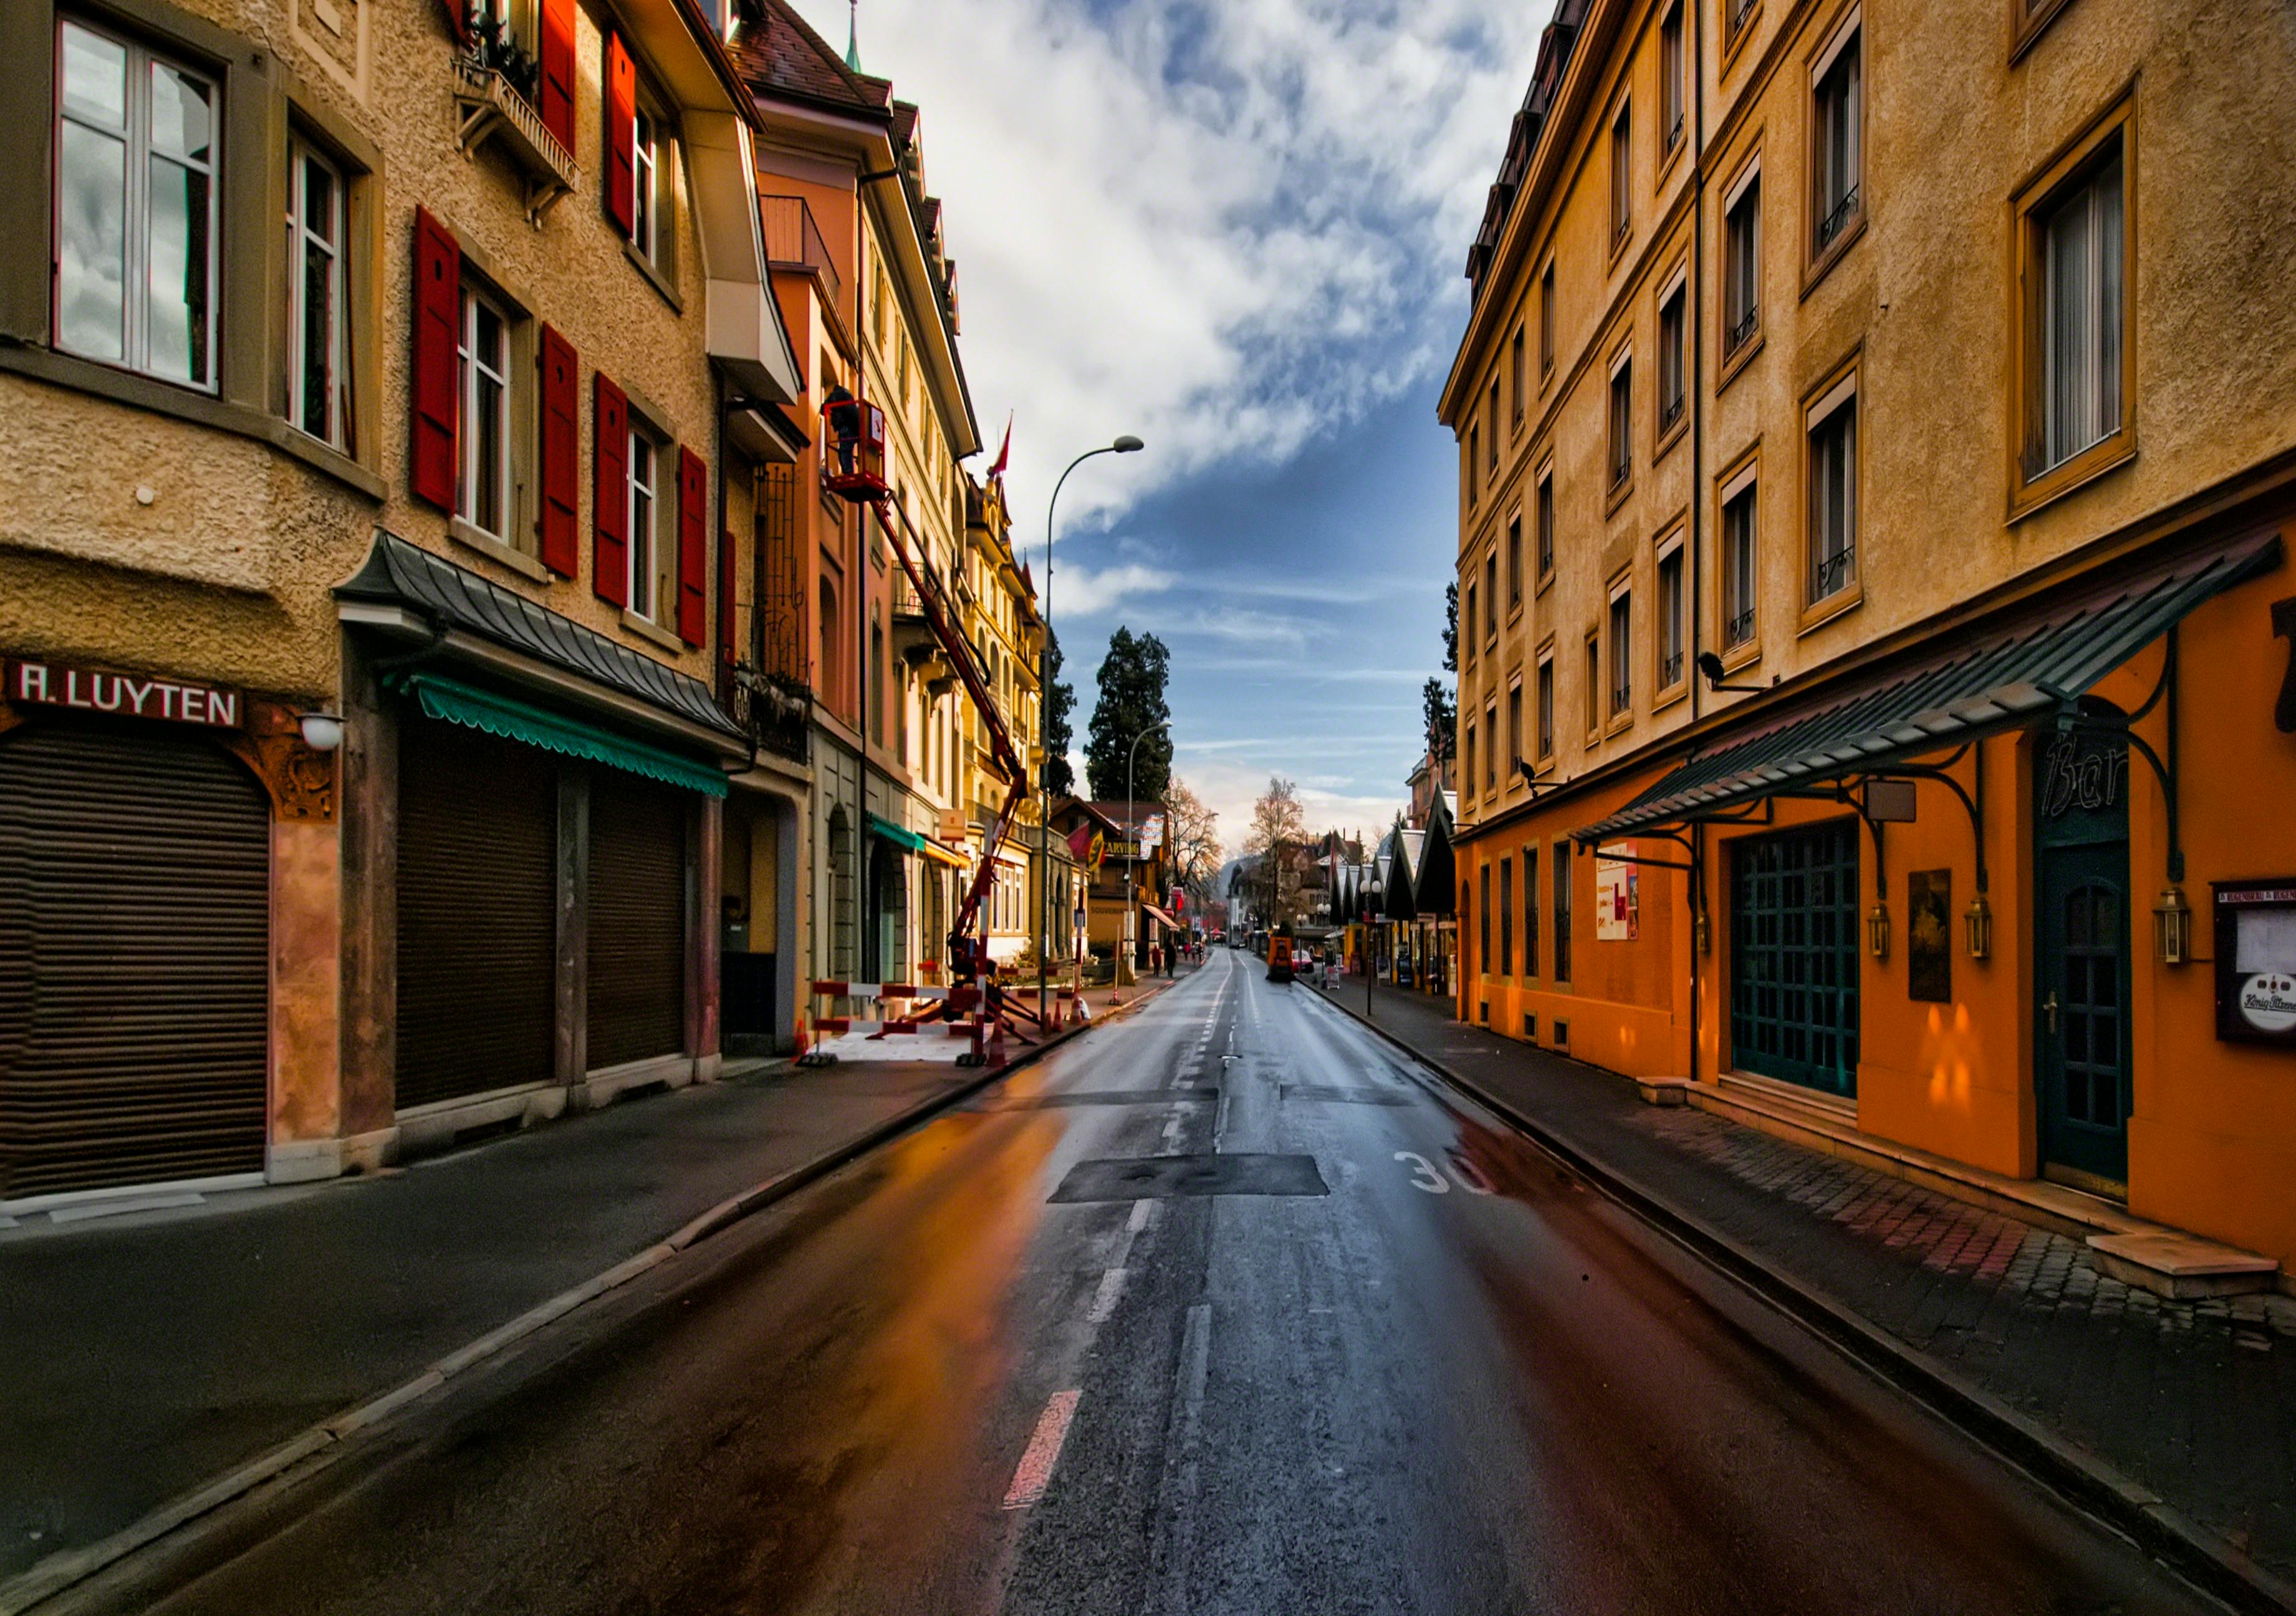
1279,830
1192,833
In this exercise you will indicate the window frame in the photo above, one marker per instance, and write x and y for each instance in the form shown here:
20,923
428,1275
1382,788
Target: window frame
1747,182
1673,85
477,297
1514,564
1545,521
1826,403
2065,171
1672,617
1619,428
1845,33
1519,374
1474,470
1674,293
138,146
1544,706
1491,595
1531,862
1593,693
1515,757
343,405
1622,175
1739,480
1491,746
1505,907
1546,322
1618,662
2029,19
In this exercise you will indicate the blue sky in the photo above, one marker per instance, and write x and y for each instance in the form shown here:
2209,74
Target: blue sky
1235,227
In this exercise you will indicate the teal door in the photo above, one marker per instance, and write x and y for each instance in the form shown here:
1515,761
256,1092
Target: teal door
2081,973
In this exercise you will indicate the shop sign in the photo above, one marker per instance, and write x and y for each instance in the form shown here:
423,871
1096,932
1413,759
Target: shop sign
1618,901
2256,960
43,683
2087,777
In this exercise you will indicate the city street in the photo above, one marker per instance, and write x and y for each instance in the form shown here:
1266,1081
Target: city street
1215,1310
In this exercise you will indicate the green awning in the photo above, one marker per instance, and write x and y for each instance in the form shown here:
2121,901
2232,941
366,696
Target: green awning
454,702
908,841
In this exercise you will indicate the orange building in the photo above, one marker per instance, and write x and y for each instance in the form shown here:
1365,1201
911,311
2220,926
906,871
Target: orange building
1874,537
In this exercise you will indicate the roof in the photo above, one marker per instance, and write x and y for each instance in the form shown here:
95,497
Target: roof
2026,665
1435,869
401,574
1126,816
780,54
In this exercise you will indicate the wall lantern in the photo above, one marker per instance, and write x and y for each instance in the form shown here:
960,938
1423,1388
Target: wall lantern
322,732
1977,920
2172,927
1877,931
1702,933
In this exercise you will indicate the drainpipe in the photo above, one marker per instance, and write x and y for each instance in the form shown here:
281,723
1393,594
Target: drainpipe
1695,539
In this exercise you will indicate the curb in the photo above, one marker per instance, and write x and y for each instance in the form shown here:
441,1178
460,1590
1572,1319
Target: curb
322,1444
2136,1511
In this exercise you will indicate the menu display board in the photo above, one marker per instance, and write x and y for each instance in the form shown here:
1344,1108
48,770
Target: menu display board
2256,960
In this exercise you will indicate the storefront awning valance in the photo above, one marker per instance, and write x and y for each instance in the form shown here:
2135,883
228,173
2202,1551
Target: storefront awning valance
1161,917
453,701
2020,667
885,830
940,855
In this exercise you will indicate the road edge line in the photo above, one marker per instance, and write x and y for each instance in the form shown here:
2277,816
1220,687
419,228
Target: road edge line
2080,1477
61,1572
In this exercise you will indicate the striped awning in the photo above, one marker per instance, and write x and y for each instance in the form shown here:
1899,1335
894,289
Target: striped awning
453,701
2019,668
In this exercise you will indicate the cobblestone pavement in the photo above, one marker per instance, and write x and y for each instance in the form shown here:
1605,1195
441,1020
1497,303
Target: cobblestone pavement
2195,1401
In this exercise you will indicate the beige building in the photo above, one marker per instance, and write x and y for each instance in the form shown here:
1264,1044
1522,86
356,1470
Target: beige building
1921,364
372,402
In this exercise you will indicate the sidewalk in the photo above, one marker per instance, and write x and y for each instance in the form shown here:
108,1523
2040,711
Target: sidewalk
144,1354
2194,1401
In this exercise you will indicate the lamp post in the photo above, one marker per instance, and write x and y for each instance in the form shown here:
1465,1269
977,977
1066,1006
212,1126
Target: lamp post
1126,444
1373,890
1132,828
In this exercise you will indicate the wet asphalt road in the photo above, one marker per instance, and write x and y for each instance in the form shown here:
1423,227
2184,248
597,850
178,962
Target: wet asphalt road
1002,1365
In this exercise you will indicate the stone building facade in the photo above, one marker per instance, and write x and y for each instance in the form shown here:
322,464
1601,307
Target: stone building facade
1956,451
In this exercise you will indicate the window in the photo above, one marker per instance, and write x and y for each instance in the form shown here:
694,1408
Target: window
1483,932
1467,753
1833,494
1561,911
1622,196
1530,910
1474,459
1835,136
1491,747
1515,560
654,571
1739,11
1546,523
1622,679
483,494
1492,593
1669,79
1515,374
1467,625
1738,537
1622,423
1506,917
1493,463
135,227
1672,359
318,355
1594,683
1669,618
1547,319
645,157
1514,730
1546,707
2078,255
1742,264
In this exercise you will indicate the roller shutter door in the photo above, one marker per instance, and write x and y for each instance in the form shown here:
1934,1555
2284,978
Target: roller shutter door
477,852
134,958
638,919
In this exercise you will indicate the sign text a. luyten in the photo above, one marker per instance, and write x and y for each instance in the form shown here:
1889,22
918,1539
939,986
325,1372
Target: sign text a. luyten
37,683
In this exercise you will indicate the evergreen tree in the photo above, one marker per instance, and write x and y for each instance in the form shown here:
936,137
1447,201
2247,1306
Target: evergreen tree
1060,723
1442,712
1132,680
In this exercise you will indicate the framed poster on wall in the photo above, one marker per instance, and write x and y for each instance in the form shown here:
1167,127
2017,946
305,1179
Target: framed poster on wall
2256,960
1929,936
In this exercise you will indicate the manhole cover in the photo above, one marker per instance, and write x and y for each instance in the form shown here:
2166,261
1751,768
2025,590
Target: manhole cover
1168,1177
1334,1095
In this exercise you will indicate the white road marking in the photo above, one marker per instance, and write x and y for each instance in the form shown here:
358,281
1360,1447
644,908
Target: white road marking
1144,1213
1104,1300
1177,1497
1044,1451
1423,1176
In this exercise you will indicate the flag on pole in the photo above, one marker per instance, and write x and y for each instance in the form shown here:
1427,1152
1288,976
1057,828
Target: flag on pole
1080,844
1005,455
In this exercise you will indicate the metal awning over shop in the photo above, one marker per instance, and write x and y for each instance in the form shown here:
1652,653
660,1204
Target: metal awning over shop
885,830
454,702
1161,917
940,855
2020,668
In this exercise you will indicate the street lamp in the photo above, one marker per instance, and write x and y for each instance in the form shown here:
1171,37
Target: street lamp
1373,890
1126,444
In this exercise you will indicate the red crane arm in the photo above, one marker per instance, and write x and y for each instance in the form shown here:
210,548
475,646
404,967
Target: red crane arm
1001,746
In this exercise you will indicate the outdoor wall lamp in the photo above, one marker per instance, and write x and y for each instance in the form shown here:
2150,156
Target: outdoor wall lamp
1978,921
1709,666
1701,934
322,732
1877,931
2172,927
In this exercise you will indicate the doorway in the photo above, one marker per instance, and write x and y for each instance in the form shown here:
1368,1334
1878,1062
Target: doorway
2081,965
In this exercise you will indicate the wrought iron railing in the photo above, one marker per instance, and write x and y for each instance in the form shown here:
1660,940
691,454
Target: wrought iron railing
1744,327
1670,669
1831,574
1837,220
1622,698
1738,629
1669,412
774,712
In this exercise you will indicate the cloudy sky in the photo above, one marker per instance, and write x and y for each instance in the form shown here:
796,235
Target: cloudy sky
1235,228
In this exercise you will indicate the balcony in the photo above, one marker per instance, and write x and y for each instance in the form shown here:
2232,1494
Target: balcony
772,711
490,110
794,242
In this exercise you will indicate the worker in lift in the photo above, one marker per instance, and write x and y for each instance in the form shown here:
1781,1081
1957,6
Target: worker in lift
846,423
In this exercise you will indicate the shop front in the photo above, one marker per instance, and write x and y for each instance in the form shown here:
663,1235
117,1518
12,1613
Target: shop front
164,845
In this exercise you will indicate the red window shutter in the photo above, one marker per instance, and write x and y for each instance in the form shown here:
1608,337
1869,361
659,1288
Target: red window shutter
556,87
458,19
621,158
610,566
438,321
693,548
562,453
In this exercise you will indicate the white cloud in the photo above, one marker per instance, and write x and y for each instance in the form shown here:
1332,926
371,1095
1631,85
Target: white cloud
1083,592
1228,225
